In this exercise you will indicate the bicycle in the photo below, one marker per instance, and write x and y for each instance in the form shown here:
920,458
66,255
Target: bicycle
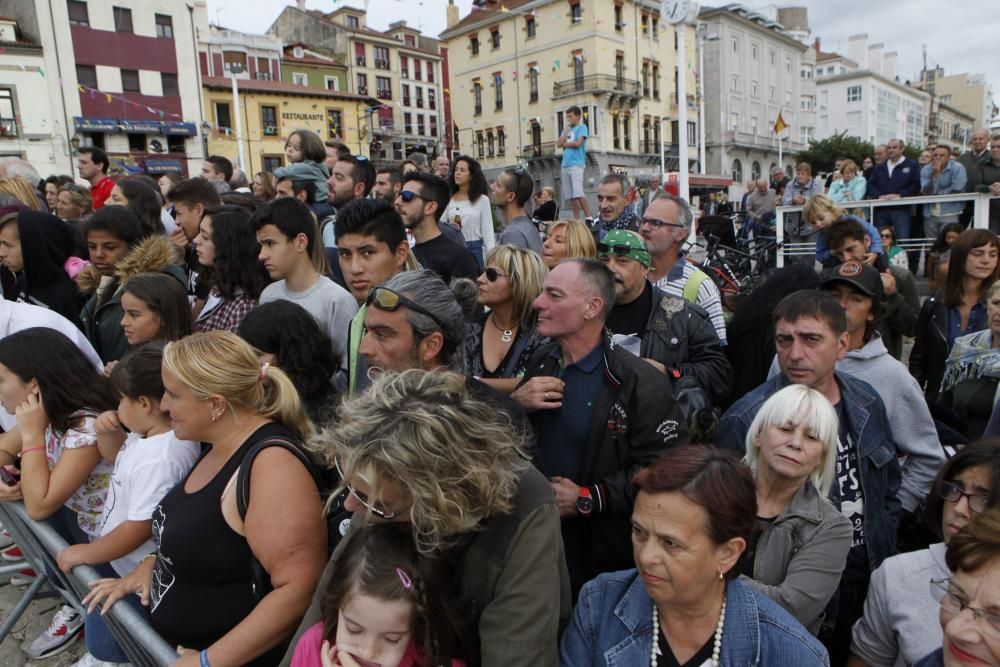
736,271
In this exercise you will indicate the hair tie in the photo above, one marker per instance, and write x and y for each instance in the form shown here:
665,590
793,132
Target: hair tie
263,372
404,578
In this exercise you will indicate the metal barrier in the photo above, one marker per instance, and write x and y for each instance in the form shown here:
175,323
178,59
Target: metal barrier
980,219
40,544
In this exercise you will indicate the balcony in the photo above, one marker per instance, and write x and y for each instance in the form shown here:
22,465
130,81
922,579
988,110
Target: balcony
384,94
690,99
359,60
547,149
597,84
763,142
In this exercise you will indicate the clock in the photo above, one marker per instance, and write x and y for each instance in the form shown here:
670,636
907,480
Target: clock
675,11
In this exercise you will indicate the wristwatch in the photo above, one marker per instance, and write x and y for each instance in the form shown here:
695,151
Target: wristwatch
584,503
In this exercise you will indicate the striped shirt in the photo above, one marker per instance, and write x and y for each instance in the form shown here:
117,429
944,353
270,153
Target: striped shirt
708,293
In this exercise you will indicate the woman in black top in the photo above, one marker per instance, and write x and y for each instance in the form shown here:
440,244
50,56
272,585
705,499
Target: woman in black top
223,524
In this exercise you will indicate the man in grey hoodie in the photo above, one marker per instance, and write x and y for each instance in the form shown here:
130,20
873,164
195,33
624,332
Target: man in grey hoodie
858,287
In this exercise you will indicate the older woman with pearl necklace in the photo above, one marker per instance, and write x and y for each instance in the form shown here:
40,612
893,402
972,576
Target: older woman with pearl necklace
683,604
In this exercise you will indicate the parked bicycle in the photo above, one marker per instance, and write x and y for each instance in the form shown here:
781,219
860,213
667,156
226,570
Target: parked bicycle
737,271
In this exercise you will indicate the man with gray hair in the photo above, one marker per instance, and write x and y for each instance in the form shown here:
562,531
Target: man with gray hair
599,413
11,167
979,150
760,202
613,207
664,227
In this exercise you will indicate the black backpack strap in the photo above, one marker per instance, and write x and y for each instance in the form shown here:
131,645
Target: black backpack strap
243,474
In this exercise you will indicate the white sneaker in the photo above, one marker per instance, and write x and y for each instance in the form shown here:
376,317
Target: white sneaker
62,632
90,661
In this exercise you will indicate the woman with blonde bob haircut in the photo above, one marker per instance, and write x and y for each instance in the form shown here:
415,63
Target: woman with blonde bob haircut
418,448
798,549
500,343
567,239
242,540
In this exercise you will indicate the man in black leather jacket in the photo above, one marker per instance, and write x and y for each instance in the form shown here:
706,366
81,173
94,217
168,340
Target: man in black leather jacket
675,336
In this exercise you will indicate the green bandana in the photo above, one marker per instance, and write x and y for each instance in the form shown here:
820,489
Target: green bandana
625,243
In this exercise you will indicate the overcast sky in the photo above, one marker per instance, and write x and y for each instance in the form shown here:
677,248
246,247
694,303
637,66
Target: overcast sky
961,35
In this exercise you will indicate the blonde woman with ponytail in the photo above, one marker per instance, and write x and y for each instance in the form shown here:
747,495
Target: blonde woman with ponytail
241,543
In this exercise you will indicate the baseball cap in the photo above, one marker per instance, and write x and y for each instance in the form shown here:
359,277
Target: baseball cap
860,276
625,243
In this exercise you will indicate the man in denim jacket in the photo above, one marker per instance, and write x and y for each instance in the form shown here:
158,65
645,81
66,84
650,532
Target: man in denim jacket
811,336
943,176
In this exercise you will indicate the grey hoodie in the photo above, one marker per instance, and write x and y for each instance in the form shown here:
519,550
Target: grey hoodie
909,418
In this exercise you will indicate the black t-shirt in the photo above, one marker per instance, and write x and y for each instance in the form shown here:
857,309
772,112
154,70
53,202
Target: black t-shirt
667,658
848,496
751,557
631,318
446,258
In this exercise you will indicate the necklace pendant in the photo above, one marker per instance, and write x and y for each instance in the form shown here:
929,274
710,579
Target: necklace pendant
507,336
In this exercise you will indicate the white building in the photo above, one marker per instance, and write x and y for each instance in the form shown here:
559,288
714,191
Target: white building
859,95
753,71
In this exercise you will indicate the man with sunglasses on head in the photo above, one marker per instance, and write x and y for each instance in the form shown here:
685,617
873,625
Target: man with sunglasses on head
676,337
664,228
421,202
509,192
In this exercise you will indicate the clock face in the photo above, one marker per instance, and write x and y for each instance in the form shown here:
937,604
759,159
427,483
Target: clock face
675,11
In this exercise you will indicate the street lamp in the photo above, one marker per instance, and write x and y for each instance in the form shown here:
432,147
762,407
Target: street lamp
703,36
235,69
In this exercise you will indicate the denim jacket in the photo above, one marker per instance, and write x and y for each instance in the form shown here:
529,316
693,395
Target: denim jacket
612,626
877,453
952,180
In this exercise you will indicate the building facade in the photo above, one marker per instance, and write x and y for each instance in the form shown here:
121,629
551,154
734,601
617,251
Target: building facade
754,70
949,126
971,94
122,76
305,67
399,67
225,52
271,110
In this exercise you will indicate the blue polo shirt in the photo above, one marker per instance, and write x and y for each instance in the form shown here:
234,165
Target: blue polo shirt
563,433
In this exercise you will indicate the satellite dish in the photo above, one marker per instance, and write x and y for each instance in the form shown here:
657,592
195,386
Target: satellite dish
156,146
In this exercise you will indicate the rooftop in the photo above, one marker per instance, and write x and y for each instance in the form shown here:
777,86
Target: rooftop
479,14
280,87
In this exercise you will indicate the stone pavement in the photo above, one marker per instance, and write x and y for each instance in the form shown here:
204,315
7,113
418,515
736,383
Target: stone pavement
32,623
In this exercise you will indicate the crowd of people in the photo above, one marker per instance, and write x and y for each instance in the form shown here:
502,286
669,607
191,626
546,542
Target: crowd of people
348,415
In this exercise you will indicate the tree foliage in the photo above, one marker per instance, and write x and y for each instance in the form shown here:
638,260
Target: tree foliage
823,155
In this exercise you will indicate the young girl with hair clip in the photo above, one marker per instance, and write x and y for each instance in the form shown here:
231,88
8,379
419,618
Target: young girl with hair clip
388,606
149,461
306,154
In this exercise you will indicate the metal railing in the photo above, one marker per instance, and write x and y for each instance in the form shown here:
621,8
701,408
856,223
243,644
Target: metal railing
980,219
596,83
40,543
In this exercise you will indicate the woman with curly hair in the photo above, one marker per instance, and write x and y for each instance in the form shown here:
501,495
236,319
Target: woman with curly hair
227,247
416,448
470,209
276,330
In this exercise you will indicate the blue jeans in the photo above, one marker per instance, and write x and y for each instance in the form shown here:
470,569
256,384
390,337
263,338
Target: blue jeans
476,248
100,642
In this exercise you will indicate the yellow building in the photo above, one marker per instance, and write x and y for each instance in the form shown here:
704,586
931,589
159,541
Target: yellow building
515,68
271,110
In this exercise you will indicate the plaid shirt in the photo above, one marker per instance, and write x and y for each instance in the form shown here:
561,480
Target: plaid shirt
227,316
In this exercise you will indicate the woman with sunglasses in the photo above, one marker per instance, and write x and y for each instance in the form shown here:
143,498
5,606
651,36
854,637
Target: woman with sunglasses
893,252
900,621
499,344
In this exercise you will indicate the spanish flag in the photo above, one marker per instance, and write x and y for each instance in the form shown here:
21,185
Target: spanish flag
779,124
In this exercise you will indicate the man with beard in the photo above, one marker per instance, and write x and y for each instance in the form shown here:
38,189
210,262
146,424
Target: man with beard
421,202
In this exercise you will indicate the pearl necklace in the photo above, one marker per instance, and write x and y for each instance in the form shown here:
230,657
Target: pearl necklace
716,644
507,335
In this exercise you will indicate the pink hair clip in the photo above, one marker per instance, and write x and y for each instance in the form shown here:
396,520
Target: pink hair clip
404,578
263,372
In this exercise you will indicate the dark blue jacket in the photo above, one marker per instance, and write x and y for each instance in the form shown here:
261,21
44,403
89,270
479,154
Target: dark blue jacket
905,180
877,453
612,626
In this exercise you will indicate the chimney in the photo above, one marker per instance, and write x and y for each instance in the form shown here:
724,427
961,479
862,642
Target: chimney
875,58
453,15
816,46
301,4
857,49
889,64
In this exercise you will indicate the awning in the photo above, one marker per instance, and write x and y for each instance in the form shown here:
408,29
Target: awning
92,124
141,126
163,166
178,129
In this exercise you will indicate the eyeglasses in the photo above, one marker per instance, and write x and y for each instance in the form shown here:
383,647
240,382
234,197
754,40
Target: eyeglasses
953,603
886,236
493,275
385,299
363,499
656,224
954,493
408,196
605,249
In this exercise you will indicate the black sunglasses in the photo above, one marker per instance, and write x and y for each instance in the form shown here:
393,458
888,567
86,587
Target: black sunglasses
385,299
408,196
493,275
605,249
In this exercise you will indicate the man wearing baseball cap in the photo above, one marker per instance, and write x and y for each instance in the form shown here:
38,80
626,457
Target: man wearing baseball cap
676,337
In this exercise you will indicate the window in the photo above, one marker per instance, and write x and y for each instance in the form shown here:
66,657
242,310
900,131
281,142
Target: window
753,125
352,22
123,19
644,22
430,72
615,131
86,75
359,54
408,123
334,122
655,20
530,28
477,93
130,81
78,13
772,94
420,96
754,89
805,134
164,26
788,98
8,123
489,143
498,88
269,121
397,150
578,70
532,83
479,145
737,171
773,58
575,12
755,170
431,99
536,138
383,88
734,121
501,141
627,131
495,38
854,93
331,83
619,21
433,125
619,71
406,95
656,81
300,79
753,52
645,135
474,44
420,124
381,57
734,45
264,69
362,84
169,84
645,79
175,144
222,116
416,70
656,134
404,67
272,162
692,134
137,143
734,84
409,40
